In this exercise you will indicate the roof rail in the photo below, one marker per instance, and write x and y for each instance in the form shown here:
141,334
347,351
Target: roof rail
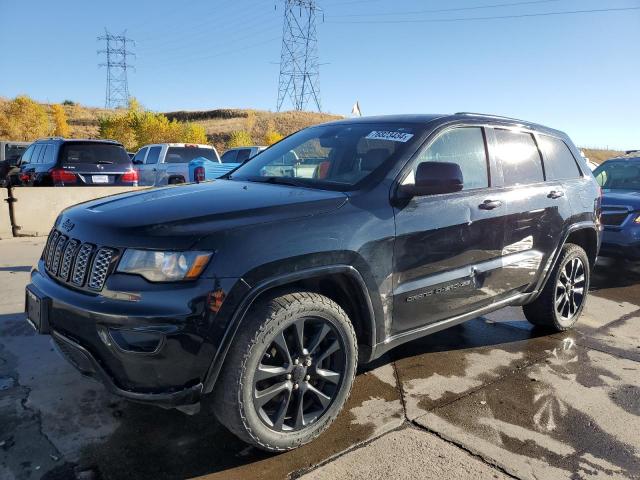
485,115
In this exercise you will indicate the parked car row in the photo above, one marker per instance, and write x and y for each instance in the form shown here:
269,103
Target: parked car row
68,162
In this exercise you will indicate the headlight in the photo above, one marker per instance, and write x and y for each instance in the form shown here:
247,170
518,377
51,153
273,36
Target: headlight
164,266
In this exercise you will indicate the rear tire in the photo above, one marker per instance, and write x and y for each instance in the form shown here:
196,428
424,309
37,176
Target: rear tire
563,297
300,345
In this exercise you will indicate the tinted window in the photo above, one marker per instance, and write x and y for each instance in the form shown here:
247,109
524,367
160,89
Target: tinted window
35,156
93,153
154,155
464,146
47,155
520,158
26,157
186,154
229,156
139,157
334,156
619,175
243,155
560,163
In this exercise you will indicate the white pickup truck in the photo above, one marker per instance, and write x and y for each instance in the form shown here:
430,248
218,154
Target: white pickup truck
173,163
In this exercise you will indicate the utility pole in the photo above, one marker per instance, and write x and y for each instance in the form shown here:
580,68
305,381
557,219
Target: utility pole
116,52
299,80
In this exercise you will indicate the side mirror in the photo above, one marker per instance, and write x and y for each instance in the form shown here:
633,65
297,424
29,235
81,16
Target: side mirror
136,162
435,178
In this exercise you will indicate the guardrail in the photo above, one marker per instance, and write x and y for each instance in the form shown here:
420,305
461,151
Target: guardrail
31,211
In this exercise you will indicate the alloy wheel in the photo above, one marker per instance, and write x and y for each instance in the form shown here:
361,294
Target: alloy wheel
570,289
299,374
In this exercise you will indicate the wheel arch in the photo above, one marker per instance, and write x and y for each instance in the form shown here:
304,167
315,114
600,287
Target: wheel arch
583,234
341,283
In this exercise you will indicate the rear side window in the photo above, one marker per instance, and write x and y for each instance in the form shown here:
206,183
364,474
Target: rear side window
186,154
154,155
464,146
47,156
519,156
560,164
97,153
229,156
35,156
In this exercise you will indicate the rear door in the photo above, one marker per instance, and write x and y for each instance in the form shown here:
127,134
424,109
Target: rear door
449,246
536,208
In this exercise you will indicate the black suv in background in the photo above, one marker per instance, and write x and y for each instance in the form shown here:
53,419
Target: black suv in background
54,162
267,288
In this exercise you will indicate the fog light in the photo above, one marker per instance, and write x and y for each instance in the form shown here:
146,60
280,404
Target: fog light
637,220
136,341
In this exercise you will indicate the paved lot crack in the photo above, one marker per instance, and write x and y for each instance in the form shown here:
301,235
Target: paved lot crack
461,446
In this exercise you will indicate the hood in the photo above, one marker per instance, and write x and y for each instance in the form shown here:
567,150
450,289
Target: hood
176,217
621,198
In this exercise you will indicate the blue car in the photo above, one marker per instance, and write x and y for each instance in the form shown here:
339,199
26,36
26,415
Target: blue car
620,182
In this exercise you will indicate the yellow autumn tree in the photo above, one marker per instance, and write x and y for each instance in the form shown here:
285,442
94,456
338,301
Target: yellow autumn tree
239,138
60,125
272,136
23,119
136,127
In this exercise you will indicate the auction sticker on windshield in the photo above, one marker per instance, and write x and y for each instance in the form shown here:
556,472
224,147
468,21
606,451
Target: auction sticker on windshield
392,136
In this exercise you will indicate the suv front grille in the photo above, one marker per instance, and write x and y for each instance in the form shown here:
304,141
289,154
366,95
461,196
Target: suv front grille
82,265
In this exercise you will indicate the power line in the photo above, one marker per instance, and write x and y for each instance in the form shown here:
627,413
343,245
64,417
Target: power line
443,10
299,79
497,17
116,52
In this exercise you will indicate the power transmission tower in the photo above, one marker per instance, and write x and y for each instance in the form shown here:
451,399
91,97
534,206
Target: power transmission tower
299,68
116,52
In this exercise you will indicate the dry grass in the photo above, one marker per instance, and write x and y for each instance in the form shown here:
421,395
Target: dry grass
218,124
599,156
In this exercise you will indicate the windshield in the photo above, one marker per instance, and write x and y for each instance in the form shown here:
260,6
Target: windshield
93,153
331,156
186,154
619,175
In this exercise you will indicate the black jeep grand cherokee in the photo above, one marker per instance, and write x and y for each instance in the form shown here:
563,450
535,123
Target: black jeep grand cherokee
335,245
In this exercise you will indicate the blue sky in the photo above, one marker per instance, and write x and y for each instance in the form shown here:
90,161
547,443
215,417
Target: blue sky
579,73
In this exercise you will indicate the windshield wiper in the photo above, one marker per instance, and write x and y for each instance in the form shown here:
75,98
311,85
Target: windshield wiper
276,180
104,162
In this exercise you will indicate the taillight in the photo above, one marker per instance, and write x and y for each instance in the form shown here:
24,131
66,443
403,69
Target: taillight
60,175
199,174
24,177
130,176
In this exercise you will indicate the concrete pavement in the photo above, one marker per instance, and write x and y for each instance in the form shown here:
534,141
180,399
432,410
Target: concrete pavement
493,398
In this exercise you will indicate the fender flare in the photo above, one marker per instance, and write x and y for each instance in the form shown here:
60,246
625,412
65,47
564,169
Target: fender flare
240,312
586,225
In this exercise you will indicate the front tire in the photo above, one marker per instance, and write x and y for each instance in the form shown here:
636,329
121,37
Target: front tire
563,297
288,373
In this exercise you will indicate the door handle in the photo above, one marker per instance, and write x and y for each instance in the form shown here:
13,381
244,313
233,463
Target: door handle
490,204
556,194
154,169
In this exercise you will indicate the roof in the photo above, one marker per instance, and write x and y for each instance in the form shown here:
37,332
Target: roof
444,118
84,140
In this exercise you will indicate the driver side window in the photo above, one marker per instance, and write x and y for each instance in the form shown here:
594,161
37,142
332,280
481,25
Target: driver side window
464,146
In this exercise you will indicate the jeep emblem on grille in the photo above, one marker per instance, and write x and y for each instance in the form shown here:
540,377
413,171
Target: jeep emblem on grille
68,225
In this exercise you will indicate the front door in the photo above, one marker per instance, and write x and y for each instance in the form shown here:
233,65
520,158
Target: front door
138,164
448,247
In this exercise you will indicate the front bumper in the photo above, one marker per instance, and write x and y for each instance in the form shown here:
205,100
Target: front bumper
85,363
621,242
85,326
